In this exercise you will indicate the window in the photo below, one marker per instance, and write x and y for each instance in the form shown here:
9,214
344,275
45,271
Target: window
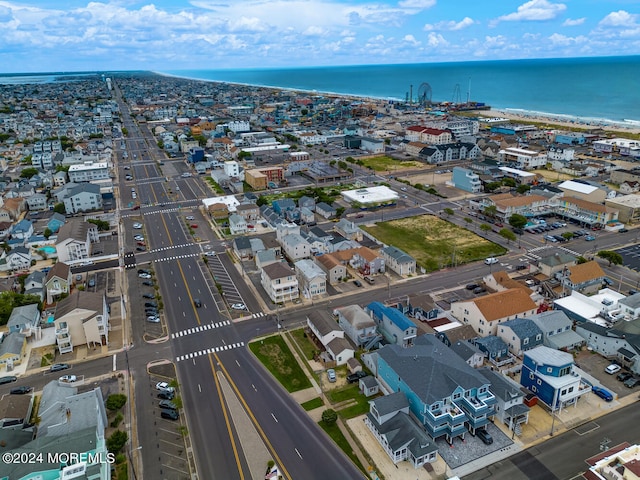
538,337
534,388
549,369
525,341
456,396
539,382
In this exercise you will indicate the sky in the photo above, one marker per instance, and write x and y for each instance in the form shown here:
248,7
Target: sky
75,35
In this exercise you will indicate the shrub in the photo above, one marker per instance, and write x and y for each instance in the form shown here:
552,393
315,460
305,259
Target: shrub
116,401
116,420
116,441
329,416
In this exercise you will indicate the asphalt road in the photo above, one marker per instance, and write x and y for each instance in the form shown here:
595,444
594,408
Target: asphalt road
563,457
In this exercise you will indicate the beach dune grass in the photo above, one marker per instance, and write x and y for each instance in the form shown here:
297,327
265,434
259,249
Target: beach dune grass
434,242
385,164
275,355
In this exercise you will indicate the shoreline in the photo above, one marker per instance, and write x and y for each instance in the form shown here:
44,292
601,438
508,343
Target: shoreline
558,120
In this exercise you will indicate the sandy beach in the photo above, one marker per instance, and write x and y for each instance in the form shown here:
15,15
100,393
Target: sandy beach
561,121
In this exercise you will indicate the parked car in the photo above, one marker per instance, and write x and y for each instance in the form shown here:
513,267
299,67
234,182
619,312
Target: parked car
190,217
56,367
8,379
153,319
522,266
357,283
148,283
623,230
146,276
141,249
137,226
194,225
613,368
354,377
589,238
166,395
168,405
239,306
148,295
20,390
479,290
632,382
471,286
485,436
151,304
92,282
331,375
602,393
624,376
164,387
138,238
369,280
68,378
169,414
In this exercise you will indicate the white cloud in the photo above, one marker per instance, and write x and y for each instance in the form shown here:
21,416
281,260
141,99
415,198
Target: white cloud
411,40
313,31
450,25
621,18
570,22
534,10
436,40
417,4
562,40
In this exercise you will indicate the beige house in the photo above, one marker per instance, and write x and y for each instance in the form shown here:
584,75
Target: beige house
552,264
334,269
74,240
58,281
280,282
81,319
485,313
501,281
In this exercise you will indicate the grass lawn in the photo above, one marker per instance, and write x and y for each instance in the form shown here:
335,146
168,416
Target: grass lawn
551,176
349,392
383,164
274,354
312,404
433,241
304,343
336,435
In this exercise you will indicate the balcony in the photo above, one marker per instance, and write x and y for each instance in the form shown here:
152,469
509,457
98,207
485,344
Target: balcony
63,330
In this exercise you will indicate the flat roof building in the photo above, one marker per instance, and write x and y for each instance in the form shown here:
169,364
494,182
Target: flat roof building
371,196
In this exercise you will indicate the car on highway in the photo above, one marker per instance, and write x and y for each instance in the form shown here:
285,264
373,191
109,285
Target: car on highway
153,319
239,306
20,390
613,368
623,230
589,238
331,375
190,217
602,393
485,436
490,261
146,276
8,379
56,367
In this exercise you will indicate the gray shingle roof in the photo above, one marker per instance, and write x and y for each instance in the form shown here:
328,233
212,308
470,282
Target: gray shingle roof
431,369
523,328
401,431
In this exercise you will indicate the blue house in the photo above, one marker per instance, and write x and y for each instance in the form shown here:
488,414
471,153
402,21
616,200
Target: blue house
448,396
283,205
392,324
55,222
22,230
550,375
494,348
520,334
466,179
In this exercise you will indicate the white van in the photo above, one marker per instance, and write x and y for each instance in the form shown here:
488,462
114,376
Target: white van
490,260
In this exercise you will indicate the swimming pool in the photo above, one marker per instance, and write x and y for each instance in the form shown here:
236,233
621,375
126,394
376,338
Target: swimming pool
48,249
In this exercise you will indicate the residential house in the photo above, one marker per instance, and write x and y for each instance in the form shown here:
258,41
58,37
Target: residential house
620,342
509,408
24,320
398,433
523,158
265,257
551,376
457,334
83,198
501,281
444,393
249,211
37,202
12,350
75,239
22,230
308,202
339,351
549,265
557,330
295,247
494,349
81,319
356,323
466,180
55,222
237,224
34,284
58,281
520,334
280,282
332,267
19,258
366,261
469,352
325,210
485,313
392,324
242,248
398,261
312,280
324,328
348,229
218,210
586,278
15,414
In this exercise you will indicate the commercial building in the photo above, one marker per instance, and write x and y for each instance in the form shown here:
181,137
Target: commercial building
370,197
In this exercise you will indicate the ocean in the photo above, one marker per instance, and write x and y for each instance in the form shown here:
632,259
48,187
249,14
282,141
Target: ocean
595,90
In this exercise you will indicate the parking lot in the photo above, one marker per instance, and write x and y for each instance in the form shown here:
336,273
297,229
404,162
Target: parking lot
595,365
630,257
171,435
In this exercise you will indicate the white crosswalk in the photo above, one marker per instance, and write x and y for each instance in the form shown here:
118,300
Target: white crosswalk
258,315
172,247
200,328
178,257
208,351
538,252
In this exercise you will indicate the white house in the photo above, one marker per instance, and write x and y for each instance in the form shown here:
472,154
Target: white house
280,282
311,279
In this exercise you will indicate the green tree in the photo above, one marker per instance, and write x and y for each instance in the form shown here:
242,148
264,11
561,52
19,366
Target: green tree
508,234
490,211
62,168
339,211
580,260
485,227
116,401
102,225
125,132
524,188
202,140
160,144
517,221
243,155
47,233
614,258
468,220
262,200
28,172
59,208
11,300
491,186
568,235
116,441
448,211
304,112
329,416
508,182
